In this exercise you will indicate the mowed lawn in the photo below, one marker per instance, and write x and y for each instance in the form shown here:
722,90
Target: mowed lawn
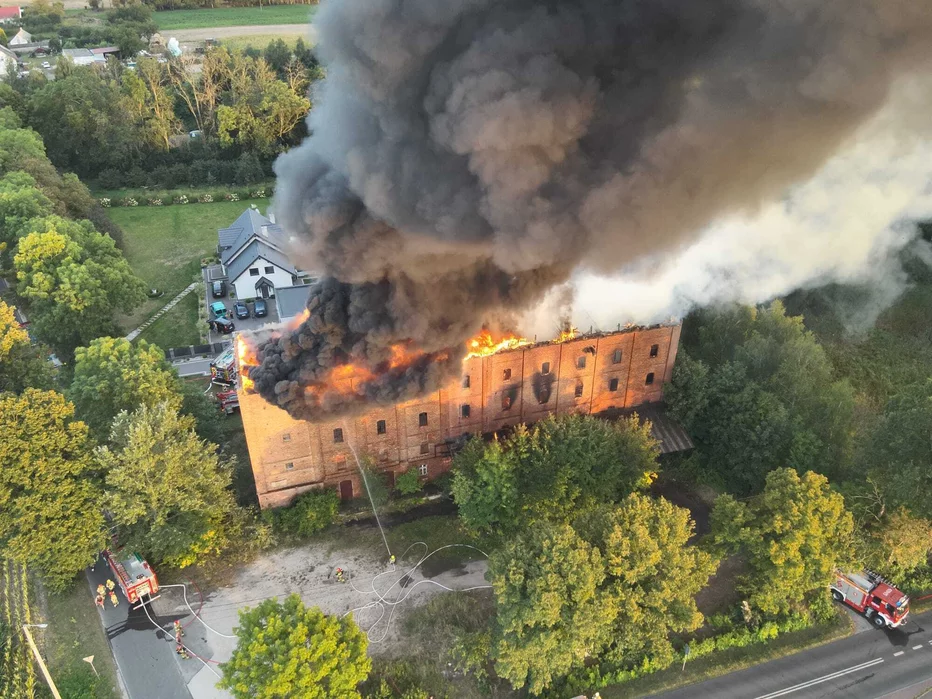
165,244
233,17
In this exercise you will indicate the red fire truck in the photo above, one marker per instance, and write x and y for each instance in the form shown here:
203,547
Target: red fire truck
135,577
874,597
223,368
228,401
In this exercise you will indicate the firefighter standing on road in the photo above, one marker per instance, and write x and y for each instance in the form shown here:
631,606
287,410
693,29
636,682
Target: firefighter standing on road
179,630
113,599
101,590
180,650
99,601
110,584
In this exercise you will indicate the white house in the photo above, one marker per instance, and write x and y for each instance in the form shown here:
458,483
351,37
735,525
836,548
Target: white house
7,58
21,37
252,253
81,57
10,14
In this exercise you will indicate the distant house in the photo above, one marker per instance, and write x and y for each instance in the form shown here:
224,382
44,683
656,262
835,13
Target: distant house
106,51
10,14
21,37
7,58
291,301
81,57
252,253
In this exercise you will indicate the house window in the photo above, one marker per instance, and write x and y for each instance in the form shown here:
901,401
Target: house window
650,379
581,362
338,435
289,466
579,389
506,401
613,385
616,357
425,448
422,420
654,350
545,368
464,411
253,271
286,437
466,381
380,427
506,375
269,270
422,469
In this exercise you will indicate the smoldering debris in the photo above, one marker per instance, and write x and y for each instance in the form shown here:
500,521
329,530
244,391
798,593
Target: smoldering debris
467,156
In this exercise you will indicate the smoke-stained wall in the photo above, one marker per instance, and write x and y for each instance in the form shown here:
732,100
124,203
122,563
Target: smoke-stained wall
587,375
467,156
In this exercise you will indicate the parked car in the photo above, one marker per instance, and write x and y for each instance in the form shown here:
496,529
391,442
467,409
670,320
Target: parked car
241,310
260,308
222,325
218,309
220,289
46,65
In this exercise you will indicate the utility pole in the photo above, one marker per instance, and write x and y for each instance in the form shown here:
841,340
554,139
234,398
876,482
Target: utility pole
35,652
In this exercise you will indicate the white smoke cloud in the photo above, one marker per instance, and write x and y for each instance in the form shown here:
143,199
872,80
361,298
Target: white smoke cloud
844,224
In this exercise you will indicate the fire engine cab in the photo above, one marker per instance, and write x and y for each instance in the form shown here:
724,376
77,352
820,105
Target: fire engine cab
135,577
874,597
223,368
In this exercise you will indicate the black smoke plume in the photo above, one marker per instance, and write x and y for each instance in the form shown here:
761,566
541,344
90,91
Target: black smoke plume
466,156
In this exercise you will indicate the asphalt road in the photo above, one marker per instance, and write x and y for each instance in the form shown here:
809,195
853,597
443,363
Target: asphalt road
868,665
144,655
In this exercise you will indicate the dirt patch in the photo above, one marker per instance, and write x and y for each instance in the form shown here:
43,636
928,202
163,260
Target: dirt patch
304,30
720,595
682,495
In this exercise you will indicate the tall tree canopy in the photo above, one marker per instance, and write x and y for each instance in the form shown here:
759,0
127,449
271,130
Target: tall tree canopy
756,391
285,649
22,364
168,490
794,535
551,471
50,516
114,374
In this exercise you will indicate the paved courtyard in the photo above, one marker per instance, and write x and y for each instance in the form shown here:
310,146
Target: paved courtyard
251,323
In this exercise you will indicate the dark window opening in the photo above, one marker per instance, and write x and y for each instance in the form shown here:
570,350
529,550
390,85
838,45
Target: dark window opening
545,368
425,448
338,435
654,350
270,270
506,375
613,385
466,381
650,379
579,389
254,272
289,466
380,427
616,357
581,362
506,402
286,437
422,420
464,411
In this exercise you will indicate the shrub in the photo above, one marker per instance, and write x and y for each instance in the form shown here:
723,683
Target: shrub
105,202
310,513
181,200
232,197
129,201
155,202
205,199
408,483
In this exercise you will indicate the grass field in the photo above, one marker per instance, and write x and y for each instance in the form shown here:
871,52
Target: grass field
179,327
256,41
164,246
234,17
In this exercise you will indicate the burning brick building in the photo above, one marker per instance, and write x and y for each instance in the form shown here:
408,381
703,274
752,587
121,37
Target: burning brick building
588,374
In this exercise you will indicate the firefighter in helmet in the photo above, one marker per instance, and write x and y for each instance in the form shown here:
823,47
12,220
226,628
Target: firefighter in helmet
340,576
179,629
101,590
113,599
99,601
110,584
181,650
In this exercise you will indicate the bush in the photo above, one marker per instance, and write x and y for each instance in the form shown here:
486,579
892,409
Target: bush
408,483
310,513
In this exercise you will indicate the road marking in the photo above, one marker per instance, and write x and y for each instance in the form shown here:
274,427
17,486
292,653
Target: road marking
916,647
819,680
898,654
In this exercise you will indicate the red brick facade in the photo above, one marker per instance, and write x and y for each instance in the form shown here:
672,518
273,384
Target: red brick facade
585,375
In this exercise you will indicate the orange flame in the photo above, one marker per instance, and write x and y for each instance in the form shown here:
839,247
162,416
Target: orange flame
567,334
296,322
246,357
484,344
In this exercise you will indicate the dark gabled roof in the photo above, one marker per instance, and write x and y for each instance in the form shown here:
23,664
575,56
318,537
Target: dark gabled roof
249,224
257,250
663,426
291,300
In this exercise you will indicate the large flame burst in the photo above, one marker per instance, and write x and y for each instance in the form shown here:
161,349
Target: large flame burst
484,344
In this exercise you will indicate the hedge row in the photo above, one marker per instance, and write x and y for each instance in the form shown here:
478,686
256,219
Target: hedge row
181,199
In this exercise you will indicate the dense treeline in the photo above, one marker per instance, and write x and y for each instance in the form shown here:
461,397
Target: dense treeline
123,127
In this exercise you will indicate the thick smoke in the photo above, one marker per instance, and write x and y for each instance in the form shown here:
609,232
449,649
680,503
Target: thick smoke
467,156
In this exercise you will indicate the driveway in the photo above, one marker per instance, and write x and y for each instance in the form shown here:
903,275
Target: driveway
249,324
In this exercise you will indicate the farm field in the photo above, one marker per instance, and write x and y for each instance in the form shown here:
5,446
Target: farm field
17,672
170,20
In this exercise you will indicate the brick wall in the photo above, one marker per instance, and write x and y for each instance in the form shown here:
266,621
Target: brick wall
585,375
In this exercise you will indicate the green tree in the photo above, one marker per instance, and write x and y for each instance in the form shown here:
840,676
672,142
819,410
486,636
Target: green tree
50,517
653,573
168,490
552,471
22,364
20,202
277,55
113,374
794,535
756,391
285,649
75,279
551,610
898,544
